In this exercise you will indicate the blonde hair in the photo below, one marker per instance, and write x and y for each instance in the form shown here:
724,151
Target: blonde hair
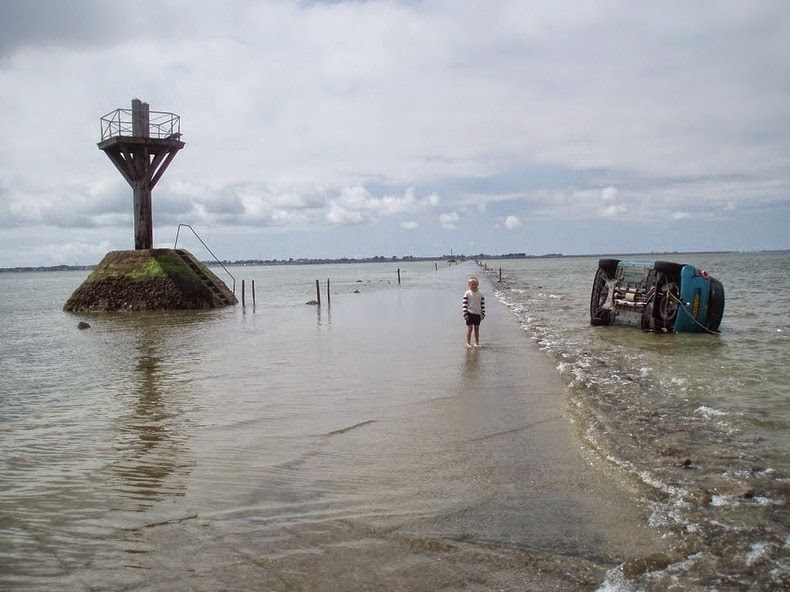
473,278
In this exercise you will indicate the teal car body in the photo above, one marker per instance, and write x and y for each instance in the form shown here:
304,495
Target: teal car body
656,296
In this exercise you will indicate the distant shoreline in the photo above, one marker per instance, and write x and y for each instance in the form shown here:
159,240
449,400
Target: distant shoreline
307,261
380,259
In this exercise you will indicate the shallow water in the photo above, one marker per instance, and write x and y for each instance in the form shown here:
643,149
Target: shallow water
703,420
360,446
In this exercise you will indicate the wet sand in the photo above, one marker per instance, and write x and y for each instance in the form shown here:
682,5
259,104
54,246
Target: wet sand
435,467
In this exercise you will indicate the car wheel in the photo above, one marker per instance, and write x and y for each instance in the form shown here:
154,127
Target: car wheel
600,321
667,300
669,268
608,265
715,305
598,297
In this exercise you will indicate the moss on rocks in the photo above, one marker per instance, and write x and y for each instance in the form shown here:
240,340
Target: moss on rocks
150,279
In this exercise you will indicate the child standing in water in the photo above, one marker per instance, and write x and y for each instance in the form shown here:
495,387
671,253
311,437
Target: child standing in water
474,311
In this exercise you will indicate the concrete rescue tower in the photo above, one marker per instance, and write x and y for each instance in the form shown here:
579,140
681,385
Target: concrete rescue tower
141,144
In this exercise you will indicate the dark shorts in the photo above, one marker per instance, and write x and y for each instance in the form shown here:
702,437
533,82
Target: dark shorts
473,319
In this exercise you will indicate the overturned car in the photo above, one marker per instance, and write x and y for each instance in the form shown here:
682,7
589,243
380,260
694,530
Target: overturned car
661,296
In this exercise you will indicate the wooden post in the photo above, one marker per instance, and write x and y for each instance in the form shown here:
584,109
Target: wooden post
242,293
328,295
143,211
140,119
143,216
500,274
253,293
318,292
142,160
399,276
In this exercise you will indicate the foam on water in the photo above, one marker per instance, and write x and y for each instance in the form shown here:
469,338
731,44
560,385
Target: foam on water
321,431
679,413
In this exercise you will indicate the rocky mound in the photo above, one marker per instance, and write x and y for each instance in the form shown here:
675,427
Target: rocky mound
125,293
152,279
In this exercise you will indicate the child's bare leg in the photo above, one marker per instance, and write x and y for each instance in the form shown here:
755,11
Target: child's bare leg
469,335
477,334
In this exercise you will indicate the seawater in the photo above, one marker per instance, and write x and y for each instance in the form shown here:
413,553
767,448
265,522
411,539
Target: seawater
200,451
703,420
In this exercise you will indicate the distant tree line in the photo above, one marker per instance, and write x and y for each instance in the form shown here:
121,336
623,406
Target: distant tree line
374,259
312,261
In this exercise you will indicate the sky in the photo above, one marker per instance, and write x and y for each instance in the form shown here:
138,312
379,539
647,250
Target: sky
358,129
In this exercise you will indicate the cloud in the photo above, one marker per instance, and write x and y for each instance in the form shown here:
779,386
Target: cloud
613,210
449,221
356,205
350,207
326,115
512,222
39,22
608,193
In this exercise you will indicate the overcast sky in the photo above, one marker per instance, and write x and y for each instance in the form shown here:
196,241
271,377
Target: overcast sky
354,129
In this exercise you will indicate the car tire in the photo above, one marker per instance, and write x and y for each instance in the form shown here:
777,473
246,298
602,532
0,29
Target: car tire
668,268
599,321
598,295
666,303
608,265
715,305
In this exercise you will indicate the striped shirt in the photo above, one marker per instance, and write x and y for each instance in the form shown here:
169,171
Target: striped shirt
474,303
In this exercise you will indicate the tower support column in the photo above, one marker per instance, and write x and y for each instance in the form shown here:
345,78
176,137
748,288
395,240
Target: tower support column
143,217
141,144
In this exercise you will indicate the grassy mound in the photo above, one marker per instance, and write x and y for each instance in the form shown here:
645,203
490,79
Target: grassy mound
150,279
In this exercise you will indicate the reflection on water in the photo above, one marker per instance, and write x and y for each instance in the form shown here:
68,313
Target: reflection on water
469,374
93,424
319,310
267,450
150,435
